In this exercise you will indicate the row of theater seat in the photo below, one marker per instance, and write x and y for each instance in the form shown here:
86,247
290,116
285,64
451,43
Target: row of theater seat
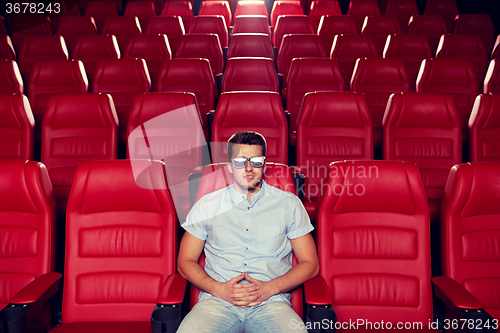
373,246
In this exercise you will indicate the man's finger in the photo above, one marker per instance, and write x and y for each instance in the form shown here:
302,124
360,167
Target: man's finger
237,278
243,295
245,286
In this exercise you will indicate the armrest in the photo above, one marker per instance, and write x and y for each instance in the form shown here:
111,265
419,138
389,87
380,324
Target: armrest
316,292
210,121
450,292
166,316
320,315
173,290
300,183
280,82
218,81
41,288
224,53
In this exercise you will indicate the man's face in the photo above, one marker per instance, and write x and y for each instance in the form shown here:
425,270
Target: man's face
247,179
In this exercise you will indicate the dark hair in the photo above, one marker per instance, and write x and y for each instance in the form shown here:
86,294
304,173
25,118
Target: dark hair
246,138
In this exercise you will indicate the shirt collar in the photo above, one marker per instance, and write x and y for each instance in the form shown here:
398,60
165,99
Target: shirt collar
239,197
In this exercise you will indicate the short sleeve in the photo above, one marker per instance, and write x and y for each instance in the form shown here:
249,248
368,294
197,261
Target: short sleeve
196,223
299,224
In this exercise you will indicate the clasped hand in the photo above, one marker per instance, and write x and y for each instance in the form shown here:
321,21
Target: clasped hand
245,294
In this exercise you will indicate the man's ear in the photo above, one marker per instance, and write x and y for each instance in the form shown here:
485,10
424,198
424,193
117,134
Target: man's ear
230,167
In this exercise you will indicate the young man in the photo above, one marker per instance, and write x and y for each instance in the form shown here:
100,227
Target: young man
248,231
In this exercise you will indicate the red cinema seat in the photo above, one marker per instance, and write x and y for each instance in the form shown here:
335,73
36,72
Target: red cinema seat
492,78
469,224
27,261
152,48
171,26
465,47
250,45
184,9
118,4
16,128
77,128
217,8
377,79
3,26
453,77
432,26
190,75
158,5
411,49
257,111
123,79
202,46
72,27
122,27
92,49
374,248
50,78
65,9
100,11
330,26
251,24
23,25
495,53
211,24
424,129
115,288
251,7
319,8
144,10
347,49
447,8
359,9
290,24
250,74
332,126
298,46
484,129
309,75
285,7
11,81
167,127
476,24
403,10
380,27
6,48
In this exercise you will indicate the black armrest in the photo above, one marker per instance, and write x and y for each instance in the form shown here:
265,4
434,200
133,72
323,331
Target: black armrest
166,316
219,84
300,183
280,83
194,182
320,315
224,55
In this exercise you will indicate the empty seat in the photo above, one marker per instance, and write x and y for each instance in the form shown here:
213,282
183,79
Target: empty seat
285,7
184,9
65,9
92,49
347,49
484,129
152,48
332,126
253,24
377,79
495,53
3,26
432,26
411,49
123,79
23,25
309,75
122,27
403,10
202,46
100,11
250,111
359,9
118,4
492,79
6,48
158,5
330,26
477,24
447,8
77,128
11,81
167,127
72,27
290,24
453,77
251,7
250,74
379,27
144,10
171,26
319,8
17,125
466,47
217,8
211,24
250,45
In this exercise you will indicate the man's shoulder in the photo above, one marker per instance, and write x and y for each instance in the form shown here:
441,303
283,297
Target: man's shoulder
210,197
281,194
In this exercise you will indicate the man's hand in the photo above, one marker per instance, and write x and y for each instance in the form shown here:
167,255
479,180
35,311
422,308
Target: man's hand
240,294
266,289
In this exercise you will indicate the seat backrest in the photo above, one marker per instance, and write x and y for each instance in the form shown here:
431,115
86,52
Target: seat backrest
373,246
484,129
290,24
432,26
202,46
347,49
285,7
183,9
470,214
403,10
211,24
217,8
11,81
17,125
318,8
250,45
250,74
144,10
171,26
122,27
23,25
379,27
100,10
492,78
253,24
27,224
251,7
3,25
478,24
250,111
495,53
447,8
6,48
72,27
332,25
113,200
359,9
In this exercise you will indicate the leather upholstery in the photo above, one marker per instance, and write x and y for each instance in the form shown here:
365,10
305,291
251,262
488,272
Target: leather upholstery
478,24
424,129
447,8
330,26
252,7
379,27
359,9
495,53
24,25
250,74
144,10
7,51
332,126
122,27
492,78
403,10
285,8
290,24
484,129
217,8
211,24
202,46
16,128
318,8
172,26
72,27
432,26
183,9
469,236
100,11
250,111
251,24
250,45
11,81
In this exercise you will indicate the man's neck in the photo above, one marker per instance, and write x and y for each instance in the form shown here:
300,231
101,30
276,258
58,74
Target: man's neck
248,192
